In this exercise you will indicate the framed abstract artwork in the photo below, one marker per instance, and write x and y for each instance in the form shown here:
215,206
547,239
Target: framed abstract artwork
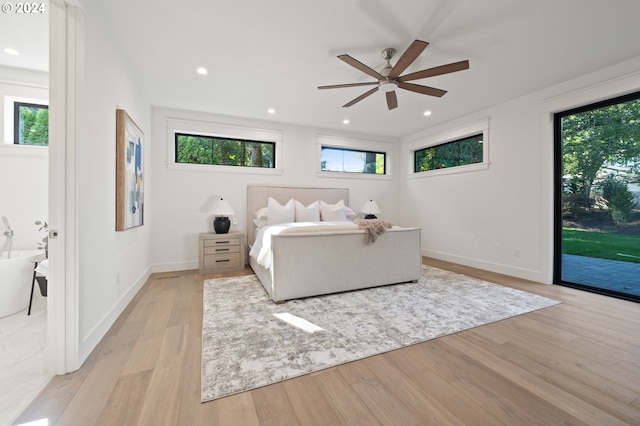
129,173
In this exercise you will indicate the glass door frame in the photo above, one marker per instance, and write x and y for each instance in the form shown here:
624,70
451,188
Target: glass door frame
558,186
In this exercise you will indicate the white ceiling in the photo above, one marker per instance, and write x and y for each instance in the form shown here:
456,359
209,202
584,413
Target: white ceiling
265,54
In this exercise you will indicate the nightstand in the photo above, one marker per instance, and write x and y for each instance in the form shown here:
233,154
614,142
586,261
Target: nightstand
221,252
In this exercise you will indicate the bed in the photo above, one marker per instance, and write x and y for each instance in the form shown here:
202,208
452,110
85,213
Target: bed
307,262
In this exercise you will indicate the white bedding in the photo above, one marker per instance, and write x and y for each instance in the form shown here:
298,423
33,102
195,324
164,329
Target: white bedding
261,248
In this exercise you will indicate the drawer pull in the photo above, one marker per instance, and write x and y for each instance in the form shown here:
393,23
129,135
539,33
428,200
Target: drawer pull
223,249
222,242
222,261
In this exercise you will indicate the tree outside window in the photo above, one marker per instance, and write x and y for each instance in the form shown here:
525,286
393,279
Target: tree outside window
31,124
198,149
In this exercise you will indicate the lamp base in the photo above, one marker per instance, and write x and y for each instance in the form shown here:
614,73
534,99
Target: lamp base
370,216
221,225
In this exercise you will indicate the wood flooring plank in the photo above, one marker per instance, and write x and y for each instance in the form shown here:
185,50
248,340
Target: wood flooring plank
542,389
425,369
309,401
147,348
272,405
346,402
161,403
386,406
599,391
418,398
125,402
237,409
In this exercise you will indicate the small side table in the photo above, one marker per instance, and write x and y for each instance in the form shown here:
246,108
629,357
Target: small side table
221,252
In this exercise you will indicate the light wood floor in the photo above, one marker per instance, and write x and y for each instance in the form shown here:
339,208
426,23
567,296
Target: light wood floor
570,364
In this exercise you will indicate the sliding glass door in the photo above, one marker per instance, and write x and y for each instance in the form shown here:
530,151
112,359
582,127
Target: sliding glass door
597,197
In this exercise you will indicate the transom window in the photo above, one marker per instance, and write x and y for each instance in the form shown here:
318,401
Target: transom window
31,124
460,152
221,151
352,161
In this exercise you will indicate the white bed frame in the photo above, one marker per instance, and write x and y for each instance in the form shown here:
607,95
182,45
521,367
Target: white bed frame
322,263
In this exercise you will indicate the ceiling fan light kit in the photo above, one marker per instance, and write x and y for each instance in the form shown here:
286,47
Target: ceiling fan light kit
389,78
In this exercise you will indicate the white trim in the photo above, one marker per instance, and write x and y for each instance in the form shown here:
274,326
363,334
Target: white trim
66,31
23,150
204,128
439,138
355,144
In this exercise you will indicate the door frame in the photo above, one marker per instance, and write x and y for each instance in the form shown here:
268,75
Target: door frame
66,35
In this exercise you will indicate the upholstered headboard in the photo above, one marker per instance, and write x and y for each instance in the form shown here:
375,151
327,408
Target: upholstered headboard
258,196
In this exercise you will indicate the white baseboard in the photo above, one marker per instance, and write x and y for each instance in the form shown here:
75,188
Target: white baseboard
93,337
527,274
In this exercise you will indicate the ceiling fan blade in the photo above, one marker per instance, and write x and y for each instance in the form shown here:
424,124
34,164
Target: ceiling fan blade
408,57
361,97
340,86
432,72
392,100
360,66
425,90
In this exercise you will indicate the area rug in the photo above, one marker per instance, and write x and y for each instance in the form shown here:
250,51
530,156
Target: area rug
248,341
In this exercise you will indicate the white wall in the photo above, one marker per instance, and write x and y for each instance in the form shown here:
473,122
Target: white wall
501,219
112,265
23,169
179,196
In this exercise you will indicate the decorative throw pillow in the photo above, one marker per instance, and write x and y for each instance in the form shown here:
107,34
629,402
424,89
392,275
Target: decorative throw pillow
351,215
333,212
280,214
311,213
260,217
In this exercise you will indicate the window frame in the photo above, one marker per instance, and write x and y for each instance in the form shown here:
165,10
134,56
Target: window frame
441,138
355,145
456,141
384,167
243,141
9,122
222,131
16,121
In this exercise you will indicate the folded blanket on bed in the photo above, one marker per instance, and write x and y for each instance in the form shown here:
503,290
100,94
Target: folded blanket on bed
372,228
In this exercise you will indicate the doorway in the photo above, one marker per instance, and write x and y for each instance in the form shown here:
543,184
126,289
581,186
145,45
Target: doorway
597,197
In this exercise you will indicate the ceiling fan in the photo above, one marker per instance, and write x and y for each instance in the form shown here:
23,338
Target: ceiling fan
389,78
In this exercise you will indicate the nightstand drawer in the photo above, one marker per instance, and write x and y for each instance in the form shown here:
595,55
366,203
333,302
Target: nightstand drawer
215,261
221,249
233,241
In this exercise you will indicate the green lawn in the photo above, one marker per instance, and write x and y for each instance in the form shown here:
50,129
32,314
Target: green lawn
601,244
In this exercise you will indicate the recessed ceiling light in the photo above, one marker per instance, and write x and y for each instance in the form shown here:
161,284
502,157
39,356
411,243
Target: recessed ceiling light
271,111
202,71
345,121
10,51
427,113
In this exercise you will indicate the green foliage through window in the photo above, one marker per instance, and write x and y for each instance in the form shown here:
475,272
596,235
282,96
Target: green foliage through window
451,154
198,149
352,161
31,124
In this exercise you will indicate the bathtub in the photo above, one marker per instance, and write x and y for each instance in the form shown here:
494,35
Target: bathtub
16,274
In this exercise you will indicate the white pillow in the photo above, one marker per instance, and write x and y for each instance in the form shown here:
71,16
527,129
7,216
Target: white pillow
333,212
260,217
311,213
348,211
280,214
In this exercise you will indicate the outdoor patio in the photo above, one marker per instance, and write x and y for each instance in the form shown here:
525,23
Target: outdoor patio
619,276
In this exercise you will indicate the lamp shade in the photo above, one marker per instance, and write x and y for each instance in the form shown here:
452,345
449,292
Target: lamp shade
370,210
221,208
